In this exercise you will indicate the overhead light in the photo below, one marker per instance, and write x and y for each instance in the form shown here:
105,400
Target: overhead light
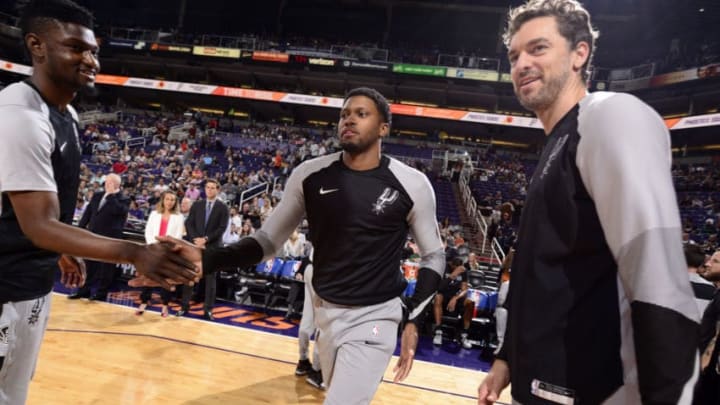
702,10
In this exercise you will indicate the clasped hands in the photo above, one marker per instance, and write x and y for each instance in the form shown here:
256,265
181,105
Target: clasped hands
168,263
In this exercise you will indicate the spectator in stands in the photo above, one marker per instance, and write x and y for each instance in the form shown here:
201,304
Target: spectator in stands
599,242
277,160
142,199
104,145
80,205
160,187
197,175
277,192
154,197
231,234
130,180
165,219
254,217
707,390
119,167
230,190
702,288
472,263
710,244
451,296
246,229
193,193
267,209
459,240
105,215
294,248
236,218
97,178
136,212
205,226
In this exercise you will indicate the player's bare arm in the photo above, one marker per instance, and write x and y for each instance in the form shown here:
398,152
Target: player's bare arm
38,212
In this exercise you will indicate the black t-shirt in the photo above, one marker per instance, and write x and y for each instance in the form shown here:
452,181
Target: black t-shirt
451,286
40,152
358,224
599,289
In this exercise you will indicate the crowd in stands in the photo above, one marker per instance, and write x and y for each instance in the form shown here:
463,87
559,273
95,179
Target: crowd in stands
697,186
500,182
259,154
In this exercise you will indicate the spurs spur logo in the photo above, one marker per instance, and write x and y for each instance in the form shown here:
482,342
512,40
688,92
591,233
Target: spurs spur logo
36,311
553,154
386,198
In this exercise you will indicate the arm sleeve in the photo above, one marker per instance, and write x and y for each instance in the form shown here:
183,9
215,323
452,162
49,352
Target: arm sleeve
425,230
503,351
708,326
216,234
178,230
27,145
246,252
118,204
503,292
190,221
267,240
285,217
624,160
150,231
85,219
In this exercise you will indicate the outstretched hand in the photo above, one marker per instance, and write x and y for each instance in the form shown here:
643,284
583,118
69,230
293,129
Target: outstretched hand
73,271
494,383
408,344
170,262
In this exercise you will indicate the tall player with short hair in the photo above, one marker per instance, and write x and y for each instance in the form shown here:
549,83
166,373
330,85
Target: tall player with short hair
39,179
360,205
600,308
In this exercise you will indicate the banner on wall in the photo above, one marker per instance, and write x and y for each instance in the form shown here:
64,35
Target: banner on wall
216,52
379,66
422,70
473,74
271,57
336,102
126,43
170,48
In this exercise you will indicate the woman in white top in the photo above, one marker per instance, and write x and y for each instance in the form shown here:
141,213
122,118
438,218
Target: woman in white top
268,208
295,245
164,220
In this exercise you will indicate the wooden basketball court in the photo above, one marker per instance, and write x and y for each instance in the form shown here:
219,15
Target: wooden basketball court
101,353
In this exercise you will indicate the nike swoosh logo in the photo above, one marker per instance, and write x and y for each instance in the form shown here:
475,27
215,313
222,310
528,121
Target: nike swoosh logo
62,147
323,191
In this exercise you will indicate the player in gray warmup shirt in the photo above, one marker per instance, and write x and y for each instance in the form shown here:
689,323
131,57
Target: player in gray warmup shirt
360,206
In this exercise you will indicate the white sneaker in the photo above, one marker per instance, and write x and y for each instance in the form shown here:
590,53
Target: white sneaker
466,344
437,340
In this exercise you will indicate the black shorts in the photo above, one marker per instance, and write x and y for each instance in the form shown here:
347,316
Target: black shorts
459,305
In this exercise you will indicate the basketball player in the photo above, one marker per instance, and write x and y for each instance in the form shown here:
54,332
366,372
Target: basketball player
600,308
360,206
39,179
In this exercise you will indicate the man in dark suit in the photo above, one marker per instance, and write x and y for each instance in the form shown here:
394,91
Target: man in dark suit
205,226
105,215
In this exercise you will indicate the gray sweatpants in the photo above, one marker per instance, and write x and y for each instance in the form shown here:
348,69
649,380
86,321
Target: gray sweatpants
22,326
307,322
356,344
